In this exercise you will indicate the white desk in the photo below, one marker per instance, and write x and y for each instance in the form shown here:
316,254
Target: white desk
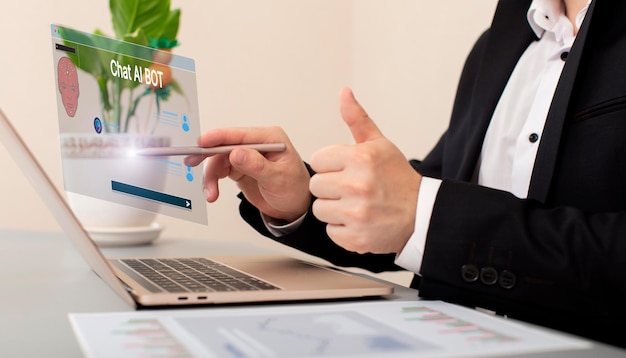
43,279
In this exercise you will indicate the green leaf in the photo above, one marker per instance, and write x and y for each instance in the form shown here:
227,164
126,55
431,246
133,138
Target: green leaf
87,58
130,15
170,26
176,87
137,37
104,93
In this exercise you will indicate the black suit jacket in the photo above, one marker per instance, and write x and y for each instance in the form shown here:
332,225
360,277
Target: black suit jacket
559,257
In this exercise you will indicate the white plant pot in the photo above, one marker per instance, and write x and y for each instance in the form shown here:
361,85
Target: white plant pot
85,157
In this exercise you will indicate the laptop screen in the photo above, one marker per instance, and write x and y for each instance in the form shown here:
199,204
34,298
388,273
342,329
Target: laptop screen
114,97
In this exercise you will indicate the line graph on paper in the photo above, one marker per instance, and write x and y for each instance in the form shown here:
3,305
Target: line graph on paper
300,335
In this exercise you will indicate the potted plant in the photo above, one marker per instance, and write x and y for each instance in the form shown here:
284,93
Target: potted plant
129,114
149,23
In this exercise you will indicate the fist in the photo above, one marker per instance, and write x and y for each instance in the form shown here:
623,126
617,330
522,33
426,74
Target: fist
366,192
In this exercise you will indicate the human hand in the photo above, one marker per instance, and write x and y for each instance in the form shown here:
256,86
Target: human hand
367,192
277,183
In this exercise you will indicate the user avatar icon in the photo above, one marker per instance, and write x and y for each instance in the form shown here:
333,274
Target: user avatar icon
97,125
68,85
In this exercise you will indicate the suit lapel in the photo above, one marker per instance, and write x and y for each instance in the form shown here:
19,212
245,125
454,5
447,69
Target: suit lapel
548,148
509,36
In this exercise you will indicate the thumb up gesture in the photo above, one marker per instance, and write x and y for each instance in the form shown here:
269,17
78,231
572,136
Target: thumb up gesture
366,192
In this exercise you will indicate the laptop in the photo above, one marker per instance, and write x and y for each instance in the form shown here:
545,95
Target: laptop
152,282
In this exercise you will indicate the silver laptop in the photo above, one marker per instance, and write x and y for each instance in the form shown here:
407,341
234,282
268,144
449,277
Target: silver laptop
238,279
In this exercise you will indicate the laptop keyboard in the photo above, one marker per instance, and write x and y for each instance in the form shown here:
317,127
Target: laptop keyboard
195,275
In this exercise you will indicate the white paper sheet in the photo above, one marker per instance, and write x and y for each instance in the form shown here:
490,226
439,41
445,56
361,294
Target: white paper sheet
365,329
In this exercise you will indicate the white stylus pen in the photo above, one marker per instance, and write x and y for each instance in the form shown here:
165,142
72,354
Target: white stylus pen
168,151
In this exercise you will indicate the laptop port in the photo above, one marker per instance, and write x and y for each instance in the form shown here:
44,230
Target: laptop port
182,298
202,297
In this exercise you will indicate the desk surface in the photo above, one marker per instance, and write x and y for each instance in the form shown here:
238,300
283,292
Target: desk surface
43,279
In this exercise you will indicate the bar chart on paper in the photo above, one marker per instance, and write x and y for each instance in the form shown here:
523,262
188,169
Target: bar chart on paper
389,329
147,335
456,328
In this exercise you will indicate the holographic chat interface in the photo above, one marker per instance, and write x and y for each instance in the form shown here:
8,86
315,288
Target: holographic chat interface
114,97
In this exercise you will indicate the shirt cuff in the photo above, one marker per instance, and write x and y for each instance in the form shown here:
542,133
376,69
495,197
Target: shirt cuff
410,258
281,229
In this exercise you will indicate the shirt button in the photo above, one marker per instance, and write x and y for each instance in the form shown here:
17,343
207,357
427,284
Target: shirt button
564,55
533,137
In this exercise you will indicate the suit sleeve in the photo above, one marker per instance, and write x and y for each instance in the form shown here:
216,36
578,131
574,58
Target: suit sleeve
558,266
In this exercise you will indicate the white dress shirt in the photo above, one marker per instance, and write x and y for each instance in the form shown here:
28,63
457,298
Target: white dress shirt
512,139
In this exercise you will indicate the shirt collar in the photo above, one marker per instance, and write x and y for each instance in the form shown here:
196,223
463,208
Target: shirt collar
544,15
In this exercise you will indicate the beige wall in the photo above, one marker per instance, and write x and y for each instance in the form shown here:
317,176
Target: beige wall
279,62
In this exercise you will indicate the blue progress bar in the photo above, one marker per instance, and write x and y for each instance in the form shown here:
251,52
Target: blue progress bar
151,194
